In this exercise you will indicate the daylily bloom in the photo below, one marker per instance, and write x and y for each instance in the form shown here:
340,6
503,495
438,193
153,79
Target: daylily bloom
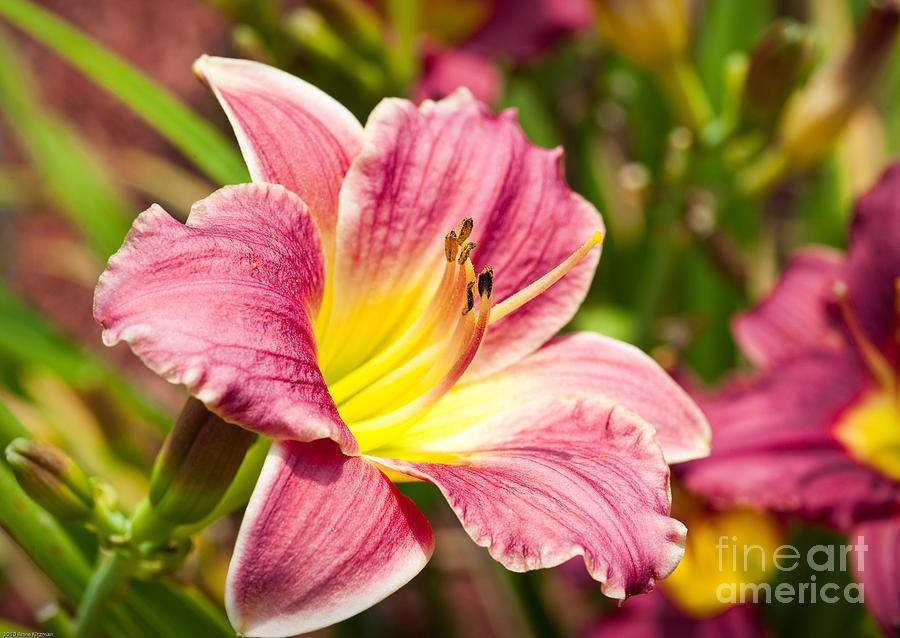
445,70
519,29
702,596
334,306
817,432
654,616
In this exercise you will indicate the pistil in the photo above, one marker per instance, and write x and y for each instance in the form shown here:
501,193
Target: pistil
519,299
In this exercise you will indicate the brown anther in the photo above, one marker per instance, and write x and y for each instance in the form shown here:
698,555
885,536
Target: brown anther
486,282
450,246
465,229
470,298
464,253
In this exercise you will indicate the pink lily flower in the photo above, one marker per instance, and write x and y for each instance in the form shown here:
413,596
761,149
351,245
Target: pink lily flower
817,432
334,306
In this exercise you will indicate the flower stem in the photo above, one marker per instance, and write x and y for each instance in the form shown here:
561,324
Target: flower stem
109,579
765,171
147,525
682,88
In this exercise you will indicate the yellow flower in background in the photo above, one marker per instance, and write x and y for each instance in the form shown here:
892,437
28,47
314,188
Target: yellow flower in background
723,549
651,33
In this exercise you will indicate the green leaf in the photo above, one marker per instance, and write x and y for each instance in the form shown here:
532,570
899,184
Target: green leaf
532,114
196,138
27,339
71,176
175,611
725,27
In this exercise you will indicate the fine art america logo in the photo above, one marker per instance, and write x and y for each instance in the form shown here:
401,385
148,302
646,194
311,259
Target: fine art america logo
824,559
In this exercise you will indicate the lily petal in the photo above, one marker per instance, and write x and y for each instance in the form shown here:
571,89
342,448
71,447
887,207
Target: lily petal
585,364
421,171
444,70
873,261
794,317
225,304
290,132
773,446
876,560
557,479
324,537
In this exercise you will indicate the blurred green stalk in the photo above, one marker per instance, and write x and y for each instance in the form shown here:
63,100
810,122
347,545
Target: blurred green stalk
685,93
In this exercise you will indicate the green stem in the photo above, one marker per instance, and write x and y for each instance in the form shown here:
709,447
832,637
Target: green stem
653,279
56,621
108,579
766,171
147,525
685,94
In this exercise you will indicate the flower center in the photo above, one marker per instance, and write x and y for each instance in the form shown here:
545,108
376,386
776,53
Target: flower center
870,431
384,397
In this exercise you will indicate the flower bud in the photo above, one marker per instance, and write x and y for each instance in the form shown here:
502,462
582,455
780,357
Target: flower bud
50,477
779,60
649,32
814,117
196,464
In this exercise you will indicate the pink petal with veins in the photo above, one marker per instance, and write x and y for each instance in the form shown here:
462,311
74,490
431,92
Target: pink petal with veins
795,317
421,171
561,478
584,364
290,132
224,305
324,537
876,562
773,447
873,261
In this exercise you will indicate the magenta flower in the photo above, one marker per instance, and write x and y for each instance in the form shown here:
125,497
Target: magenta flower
520,29
445,70
524,28
654,616
817,432
334,306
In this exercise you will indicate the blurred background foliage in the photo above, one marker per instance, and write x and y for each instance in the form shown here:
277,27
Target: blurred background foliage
706,179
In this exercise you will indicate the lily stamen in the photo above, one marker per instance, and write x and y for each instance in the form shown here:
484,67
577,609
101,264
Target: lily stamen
431,326
450,245
519,299
409,380
464,252
877,365
465,229
372,433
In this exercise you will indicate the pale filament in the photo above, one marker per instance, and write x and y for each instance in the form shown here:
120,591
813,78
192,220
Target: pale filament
424,331
876,363
520,298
